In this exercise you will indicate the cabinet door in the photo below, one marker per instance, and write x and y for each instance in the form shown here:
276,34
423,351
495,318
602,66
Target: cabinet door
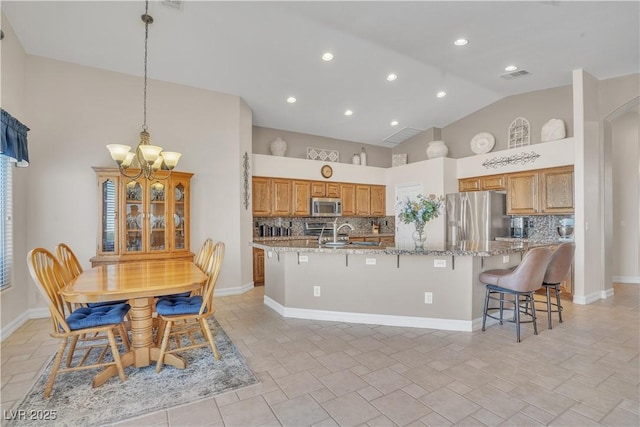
133,221
261,196
258,267
522,193
494,182
333,189
363,200
469,184
318,189
556,190
378,200
156,219
348,194
387,239
180,224
108,236
301,196
281,191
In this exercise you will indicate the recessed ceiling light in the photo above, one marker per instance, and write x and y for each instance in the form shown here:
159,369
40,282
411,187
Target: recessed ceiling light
510,68
291,100
394,123
441,94
461,42
327,56
391,77
348,113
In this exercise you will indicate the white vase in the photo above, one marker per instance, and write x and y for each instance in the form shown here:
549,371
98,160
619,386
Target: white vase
278,147
363,157
437,149
356,159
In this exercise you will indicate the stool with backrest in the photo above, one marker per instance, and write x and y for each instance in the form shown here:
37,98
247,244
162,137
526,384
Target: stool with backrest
557,270
521,282
84,324
186,315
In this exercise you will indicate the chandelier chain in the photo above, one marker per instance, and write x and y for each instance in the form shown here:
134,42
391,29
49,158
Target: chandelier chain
146,19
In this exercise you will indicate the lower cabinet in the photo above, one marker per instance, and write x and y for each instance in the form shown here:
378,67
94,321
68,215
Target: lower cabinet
258,267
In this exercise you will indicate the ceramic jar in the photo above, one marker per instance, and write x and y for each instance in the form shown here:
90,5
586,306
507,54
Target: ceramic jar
437,149
278,147
356,159
363,157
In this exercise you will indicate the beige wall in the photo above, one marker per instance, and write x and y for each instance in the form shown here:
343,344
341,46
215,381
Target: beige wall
297,144
15,301
416,147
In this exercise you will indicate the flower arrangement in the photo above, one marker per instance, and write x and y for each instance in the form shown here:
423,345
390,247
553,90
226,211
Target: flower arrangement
420,210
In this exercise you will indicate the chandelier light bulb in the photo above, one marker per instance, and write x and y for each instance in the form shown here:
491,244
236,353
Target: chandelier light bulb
171,158
118,152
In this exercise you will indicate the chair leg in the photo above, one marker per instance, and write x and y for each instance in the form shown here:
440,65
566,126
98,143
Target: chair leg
516,313
56,366
160,332
207,333
163,347
501,306
486,307
116,355
125,337
72,349
548,289
558,292
533,313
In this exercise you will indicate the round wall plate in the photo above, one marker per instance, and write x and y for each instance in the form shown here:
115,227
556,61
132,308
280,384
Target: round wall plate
326,171
482,143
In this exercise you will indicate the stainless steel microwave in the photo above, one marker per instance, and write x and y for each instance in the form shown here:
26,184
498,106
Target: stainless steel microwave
325,206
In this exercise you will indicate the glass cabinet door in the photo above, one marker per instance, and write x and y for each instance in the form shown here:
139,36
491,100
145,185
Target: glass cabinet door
157,216
134,221
179,216
108,243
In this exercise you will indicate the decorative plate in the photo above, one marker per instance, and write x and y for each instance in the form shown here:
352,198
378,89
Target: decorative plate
178,194
139,221
176,219
482,143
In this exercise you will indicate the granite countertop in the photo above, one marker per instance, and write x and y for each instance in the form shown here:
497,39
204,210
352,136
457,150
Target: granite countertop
305,237
534,241
465,248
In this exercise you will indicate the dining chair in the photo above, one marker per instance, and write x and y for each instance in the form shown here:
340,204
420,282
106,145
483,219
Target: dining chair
203,254
521,282
68,260
557,270
84,324
187,315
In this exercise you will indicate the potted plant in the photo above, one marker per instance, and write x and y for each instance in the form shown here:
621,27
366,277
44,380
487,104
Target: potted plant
418,212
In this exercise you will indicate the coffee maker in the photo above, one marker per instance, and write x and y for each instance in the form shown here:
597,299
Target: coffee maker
520,227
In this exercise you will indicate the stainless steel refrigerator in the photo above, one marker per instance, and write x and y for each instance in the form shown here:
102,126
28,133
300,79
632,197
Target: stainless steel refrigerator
476,216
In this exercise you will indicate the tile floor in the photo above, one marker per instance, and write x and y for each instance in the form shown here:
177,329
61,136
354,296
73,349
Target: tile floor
584,372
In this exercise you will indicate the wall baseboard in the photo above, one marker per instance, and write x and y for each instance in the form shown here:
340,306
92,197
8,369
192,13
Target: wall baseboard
223,292
11,327
593,297
372,319
627,279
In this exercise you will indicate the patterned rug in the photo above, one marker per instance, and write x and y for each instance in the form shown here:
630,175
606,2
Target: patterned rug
76,403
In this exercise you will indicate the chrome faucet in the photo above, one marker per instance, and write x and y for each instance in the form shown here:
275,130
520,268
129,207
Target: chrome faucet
337,228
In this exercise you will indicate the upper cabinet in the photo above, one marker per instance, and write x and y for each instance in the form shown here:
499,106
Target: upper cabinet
543,191
290,197
140,219
481,183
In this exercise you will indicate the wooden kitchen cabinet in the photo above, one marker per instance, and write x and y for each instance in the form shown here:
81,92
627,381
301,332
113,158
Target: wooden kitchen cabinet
141,220
258,267
378,200
325,189
348,195
363,200
522,193
281,197
469,184
261,196
556,190
301,191
483,183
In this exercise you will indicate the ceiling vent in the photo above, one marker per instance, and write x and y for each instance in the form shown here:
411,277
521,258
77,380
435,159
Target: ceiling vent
402,135
514,74
176,4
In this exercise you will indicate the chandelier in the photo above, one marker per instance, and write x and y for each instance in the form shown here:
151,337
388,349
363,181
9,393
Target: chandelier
147,160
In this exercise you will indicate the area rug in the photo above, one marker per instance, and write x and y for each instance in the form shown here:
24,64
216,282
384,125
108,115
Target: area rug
75,403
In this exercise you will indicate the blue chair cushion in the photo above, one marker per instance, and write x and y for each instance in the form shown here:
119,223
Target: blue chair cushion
179,305
90,317
100,304
181,295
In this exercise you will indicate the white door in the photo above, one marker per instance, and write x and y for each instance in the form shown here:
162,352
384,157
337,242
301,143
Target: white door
404,231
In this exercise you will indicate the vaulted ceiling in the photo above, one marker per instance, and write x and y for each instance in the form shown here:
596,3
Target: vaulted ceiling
266,52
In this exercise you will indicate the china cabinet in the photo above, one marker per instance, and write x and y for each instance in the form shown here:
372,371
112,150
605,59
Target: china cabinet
141,220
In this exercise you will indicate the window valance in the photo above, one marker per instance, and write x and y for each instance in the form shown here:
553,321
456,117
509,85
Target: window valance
13,142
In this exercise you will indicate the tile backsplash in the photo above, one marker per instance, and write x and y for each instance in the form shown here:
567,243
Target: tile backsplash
545,226
360,224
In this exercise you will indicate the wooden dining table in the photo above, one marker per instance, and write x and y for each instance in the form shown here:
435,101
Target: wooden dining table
139,283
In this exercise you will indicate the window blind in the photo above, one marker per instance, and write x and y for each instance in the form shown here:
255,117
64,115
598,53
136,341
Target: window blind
6,222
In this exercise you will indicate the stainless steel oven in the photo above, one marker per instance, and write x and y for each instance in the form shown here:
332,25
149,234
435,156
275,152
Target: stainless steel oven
326,206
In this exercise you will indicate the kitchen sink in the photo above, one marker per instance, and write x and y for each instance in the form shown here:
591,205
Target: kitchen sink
335,244
364,243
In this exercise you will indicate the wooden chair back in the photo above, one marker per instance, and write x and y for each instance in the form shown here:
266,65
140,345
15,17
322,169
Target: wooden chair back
51,277
213,267
203,254
68,260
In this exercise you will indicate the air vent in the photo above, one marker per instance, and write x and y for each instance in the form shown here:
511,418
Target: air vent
515,74
402,135
173,3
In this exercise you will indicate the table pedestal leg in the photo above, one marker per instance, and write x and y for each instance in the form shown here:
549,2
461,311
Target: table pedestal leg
112,371
141,330
169,359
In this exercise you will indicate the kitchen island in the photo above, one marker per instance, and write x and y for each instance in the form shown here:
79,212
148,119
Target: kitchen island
388,284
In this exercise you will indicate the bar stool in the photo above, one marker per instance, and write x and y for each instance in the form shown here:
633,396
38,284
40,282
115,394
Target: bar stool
557,270
521,282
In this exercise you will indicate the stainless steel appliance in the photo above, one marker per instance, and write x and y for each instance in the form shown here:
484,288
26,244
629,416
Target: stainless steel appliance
520,227
315,229
476,216
326,206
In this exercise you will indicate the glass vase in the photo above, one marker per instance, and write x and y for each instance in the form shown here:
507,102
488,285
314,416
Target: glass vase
419,236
